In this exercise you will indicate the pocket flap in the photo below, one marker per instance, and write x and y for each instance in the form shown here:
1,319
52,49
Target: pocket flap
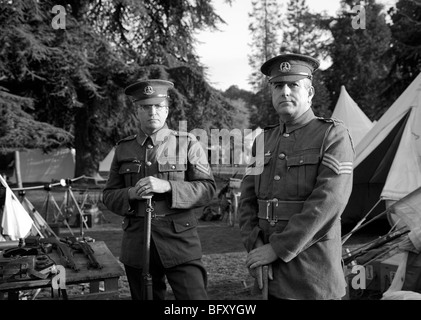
131,167
172,167
311,158
184,224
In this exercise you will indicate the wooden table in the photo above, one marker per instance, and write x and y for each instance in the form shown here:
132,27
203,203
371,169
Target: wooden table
109,273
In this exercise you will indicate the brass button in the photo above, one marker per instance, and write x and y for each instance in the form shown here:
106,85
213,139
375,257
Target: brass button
127,169
282,156
150,146
301,161
148,163
277,177
286,135
173,167
187,224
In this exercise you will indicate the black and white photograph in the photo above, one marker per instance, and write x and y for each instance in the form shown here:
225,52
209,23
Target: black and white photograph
207,158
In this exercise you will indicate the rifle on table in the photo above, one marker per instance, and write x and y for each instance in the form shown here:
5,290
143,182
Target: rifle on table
63,249
83,245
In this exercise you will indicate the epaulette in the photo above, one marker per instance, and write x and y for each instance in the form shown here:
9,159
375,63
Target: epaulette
331,120
129,138
271,126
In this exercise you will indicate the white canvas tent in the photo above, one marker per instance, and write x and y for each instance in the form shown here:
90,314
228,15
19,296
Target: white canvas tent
37,166
354,118
388,159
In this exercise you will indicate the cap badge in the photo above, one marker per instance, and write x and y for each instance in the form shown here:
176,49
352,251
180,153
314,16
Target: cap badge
285,67
148,90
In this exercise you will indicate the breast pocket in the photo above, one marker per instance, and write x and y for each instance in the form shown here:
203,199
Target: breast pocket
302,174
131,172
176,171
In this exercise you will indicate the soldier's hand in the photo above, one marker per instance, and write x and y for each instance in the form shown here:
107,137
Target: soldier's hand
151,184
261,256
257,273
133,194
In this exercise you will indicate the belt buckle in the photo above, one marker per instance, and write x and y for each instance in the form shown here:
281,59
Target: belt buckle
272,219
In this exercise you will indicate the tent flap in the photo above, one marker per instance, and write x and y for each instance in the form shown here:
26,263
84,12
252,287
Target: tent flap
387,163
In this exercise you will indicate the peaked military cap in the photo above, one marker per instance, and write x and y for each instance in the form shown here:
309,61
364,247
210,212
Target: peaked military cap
152,91
290,67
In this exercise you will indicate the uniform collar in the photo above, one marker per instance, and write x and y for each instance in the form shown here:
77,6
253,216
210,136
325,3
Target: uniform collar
142,137
298,123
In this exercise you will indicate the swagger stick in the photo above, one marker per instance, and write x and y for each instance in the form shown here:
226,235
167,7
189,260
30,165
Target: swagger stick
265,289
147,278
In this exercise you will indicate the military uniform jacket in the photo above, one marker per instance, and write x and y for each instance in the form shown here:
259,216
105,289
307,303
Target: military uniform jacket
169,155
307,172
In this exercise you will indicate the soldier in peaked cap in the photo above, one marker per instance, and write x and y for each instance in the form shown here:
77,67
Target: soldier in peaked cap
290,213
145,164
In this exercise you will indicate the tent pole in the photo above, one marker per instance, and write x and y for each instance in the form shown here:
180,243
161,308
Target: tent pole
17,169
357,227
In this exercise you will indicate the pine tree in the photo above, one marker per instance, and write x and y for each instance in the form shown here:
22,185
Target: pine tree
405,49
358,56
302,31
18,130
76,75
265,29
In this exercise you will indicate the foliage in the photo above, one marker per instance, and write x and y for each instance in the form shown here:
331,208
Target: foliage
196,101
18,129
264,29
75,77
246,111
405,49
302,32
22,49
321,102
358,56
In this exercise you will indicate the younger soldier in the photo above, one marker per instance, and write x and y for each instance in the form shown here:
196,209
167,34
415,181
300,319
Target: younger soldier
173,167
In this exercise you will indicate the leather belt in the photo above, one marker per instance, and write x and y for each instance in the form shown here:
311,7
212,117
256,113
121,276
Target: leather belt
275,210
161,209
